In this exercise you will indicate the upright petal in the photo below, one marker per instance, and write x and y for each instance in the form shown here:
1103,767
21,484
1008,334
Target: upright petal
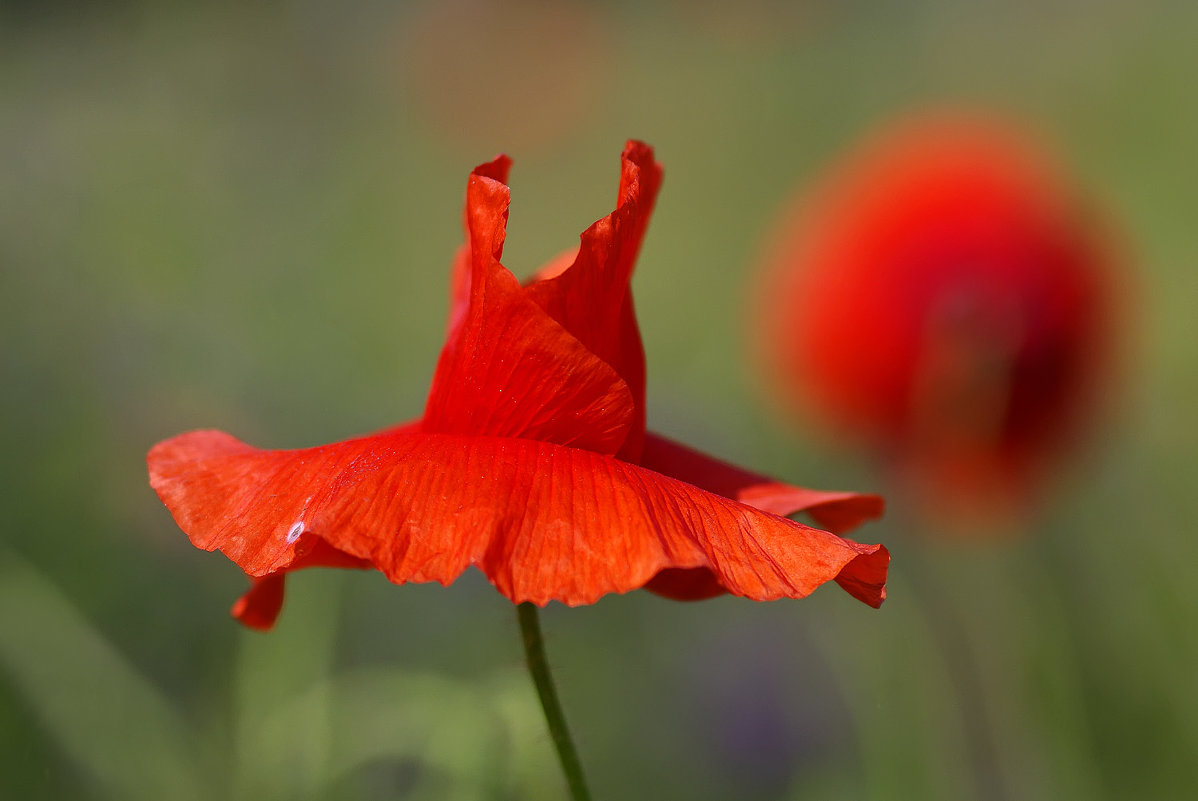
508,368
459,274
544,522
592,299
459,291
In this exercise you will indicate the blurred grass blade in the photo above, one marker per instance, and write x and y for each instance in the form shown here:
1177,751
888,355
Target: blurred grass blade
449,728
451,740
97,708
271,672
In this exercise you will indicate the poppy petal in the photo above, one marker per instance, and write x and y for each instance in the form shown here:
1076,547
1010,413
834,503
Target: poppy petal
509,369
259,607
584,296
686,584
554,267
261,604
459,291
542,521
459,274
838,512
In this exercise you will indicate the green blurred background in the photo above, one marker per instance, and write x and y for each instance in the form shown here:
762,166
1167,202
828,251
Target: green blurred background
241,215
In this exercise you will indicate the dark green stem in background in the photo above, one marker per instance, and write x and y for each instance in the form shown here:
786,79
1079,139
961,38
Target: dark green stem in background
950,631
534,653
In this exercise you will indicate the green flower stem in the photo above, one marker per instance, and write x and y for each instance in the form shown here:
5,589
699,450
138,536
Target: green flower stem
534,653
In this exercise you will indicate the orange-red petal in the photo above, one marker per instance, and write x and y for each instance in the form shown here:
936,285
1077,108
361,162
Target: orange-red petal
836,511
459,274
591,298
261,604
543,522
508,368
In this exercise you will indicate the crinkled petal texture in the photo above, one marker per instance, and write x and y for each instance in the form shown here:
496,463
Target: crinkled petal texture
508,368
543,521
592,298
578,310
838,512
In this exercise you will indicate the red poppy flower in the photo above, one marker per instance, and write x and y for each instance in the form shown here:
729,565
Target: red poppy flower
942,297
531,460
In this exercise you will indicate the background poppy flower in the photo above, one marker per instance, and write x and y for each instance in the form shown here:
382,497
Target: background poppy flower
531,460
943,298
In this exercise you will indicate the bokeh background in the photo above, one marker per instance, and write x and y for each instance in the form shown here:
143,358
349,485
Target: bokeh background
241,215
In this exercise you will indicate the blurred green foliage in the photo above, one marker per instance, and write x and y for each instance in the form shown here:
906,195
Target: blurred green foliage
241,216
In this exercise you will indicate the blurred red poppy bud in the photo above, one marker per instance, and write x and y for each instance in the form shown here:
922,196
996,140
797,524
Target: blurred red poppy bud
943,299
